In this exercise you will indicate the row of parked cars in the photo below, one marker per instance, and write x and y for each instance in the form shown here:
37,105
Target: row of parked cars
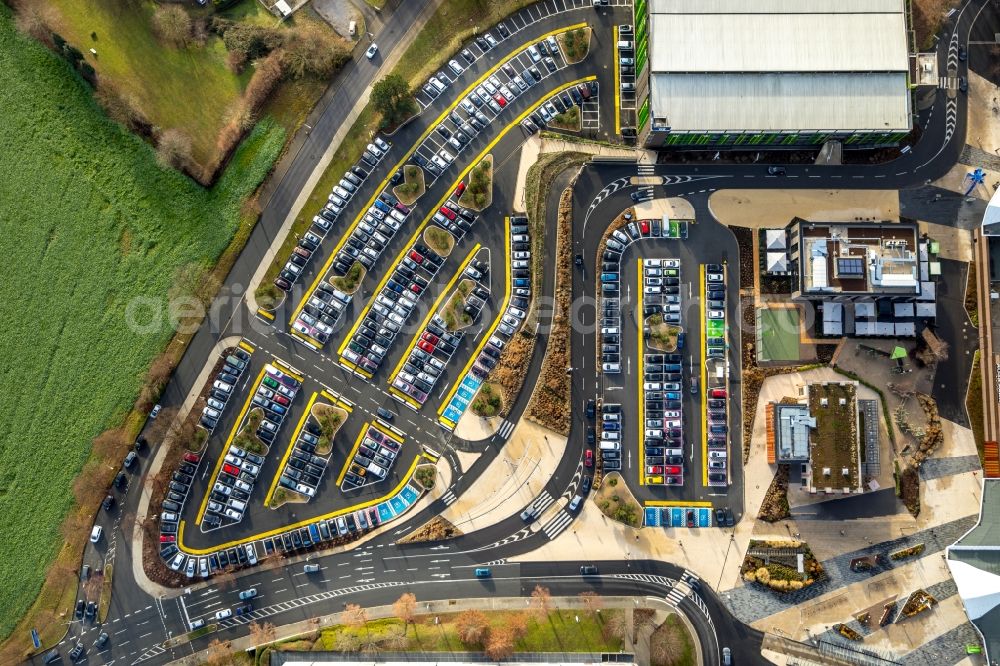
304,469
611,434
664,419
427,359
178,490
222,387
390,308
323,221
716,404
231,489
372,461
558,103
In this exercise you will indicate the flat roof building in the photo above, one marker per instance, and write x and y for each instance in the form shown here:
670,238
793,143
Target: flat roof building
754,73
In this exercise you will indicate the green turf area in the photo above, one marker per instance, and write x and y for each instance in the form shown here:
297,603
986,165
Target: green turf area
187,88
778,334
91,227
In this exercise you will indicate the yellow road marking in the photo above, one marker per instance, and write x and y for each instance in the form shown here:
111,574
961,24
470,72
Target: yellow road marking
229,440
641,394
350,456
265,314
405,398
339,401
618,100
288,449
246,346
677,503
387,433
419,230
434,308
302,523
489,333
406,157
704,382
287,370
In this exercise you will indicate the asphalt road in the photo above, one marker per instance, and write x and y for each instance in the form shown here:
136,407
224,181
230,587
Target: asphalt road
140,624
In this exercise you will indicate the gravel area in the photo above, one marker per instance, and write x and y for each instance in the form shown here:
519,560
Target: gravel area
935,468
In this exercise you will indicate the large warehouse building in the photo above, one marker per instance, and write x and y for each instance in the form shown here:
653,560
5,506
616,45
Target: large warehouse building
772,73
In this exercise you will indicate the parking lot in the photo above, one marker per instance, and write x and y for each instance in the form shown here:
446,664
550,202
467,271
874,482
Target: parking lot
663,336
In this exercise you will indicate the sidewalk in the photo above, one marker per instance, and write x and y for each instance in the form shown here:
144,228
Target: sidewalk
345,126
449,606
142,510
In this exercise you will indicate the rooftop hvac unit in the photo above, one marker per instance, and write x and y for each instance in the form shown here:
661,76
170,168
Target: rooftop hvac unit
845,472
826,471
843,401
823,402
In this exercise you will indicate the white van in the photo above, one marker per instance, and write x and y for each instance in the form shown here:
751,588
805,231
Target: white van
237,504
611,446
95,534
625,45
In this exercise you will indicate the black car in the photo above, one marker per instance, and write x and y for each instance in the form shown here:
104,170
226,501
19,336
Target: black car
91,611
591,408
80,605
502,29
76,652
588,570
482,44
109,501
212,519
469,58
730,520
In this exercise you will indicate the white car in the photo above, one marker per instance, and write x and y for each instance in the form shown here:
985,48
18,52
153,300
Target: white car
178,561
222,488
534,54
250,468
517,312
234,514
232,460
522,254
308,491
225,612
716,314
243,485
372,50
714,277
238,452
652,386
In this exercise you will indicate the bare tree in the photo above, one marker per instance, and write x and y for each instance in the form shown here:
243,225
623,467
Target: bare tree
500,644
472,627
262,634
666,645
591,599
615,625
541,599
347,641
518,625
172,23
395,638
356,617
311,49
405,608
35,19
218,653
121,107
174,148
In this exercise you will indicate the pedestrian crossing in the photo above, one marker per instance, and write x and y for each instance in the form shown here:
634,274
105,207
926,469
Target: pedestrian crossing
506,427
448,498
948,82
557,525
543,502
678,592
646,169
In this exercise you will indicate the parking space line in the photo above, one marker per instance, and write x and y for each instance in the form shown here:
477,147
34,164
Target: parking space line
639,379
229,440
404,479
350,456
617,68
433,309
406,157
427,219
288,449
493,326
704,379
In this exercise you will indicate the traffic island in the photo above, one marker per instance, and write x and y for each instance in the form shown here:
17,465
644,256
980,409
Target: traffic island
569,120
412,187
453,312
436,529
351,280
488,402
782,566
479,194
439,240
661,335
575,44
616,501
329,419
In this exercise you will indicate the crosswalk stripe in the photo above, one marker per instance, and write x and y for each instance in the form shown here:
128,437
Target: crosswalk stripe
557,525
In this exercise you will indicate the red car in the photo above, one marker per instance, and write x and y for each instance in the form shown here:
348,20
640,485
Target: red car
588,458
416,256
167,538
430,337
191,457
500,100
644,227
690,518
447,212
230,469
459,190
426,346
654,469
416,288
672,470
282,400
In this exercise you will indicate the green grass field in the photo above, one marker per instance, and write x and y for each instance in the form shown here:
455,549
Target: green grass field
90,225
778,334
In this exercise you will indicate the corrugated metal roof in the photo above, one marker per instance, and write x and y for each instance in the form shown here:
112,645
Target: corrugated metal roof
773,6
778,43
776,102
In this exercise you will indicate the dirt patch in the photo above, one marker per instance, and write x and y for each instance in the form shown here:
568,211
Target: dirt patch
488,402
412,187
616,501
508,375
775,504
927,17
439,240
974,405
436,529
479,194
552,392
748,261
569,120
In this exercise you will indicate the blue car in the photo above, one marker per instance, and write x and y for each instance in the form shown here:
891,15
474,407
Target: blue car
482,572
